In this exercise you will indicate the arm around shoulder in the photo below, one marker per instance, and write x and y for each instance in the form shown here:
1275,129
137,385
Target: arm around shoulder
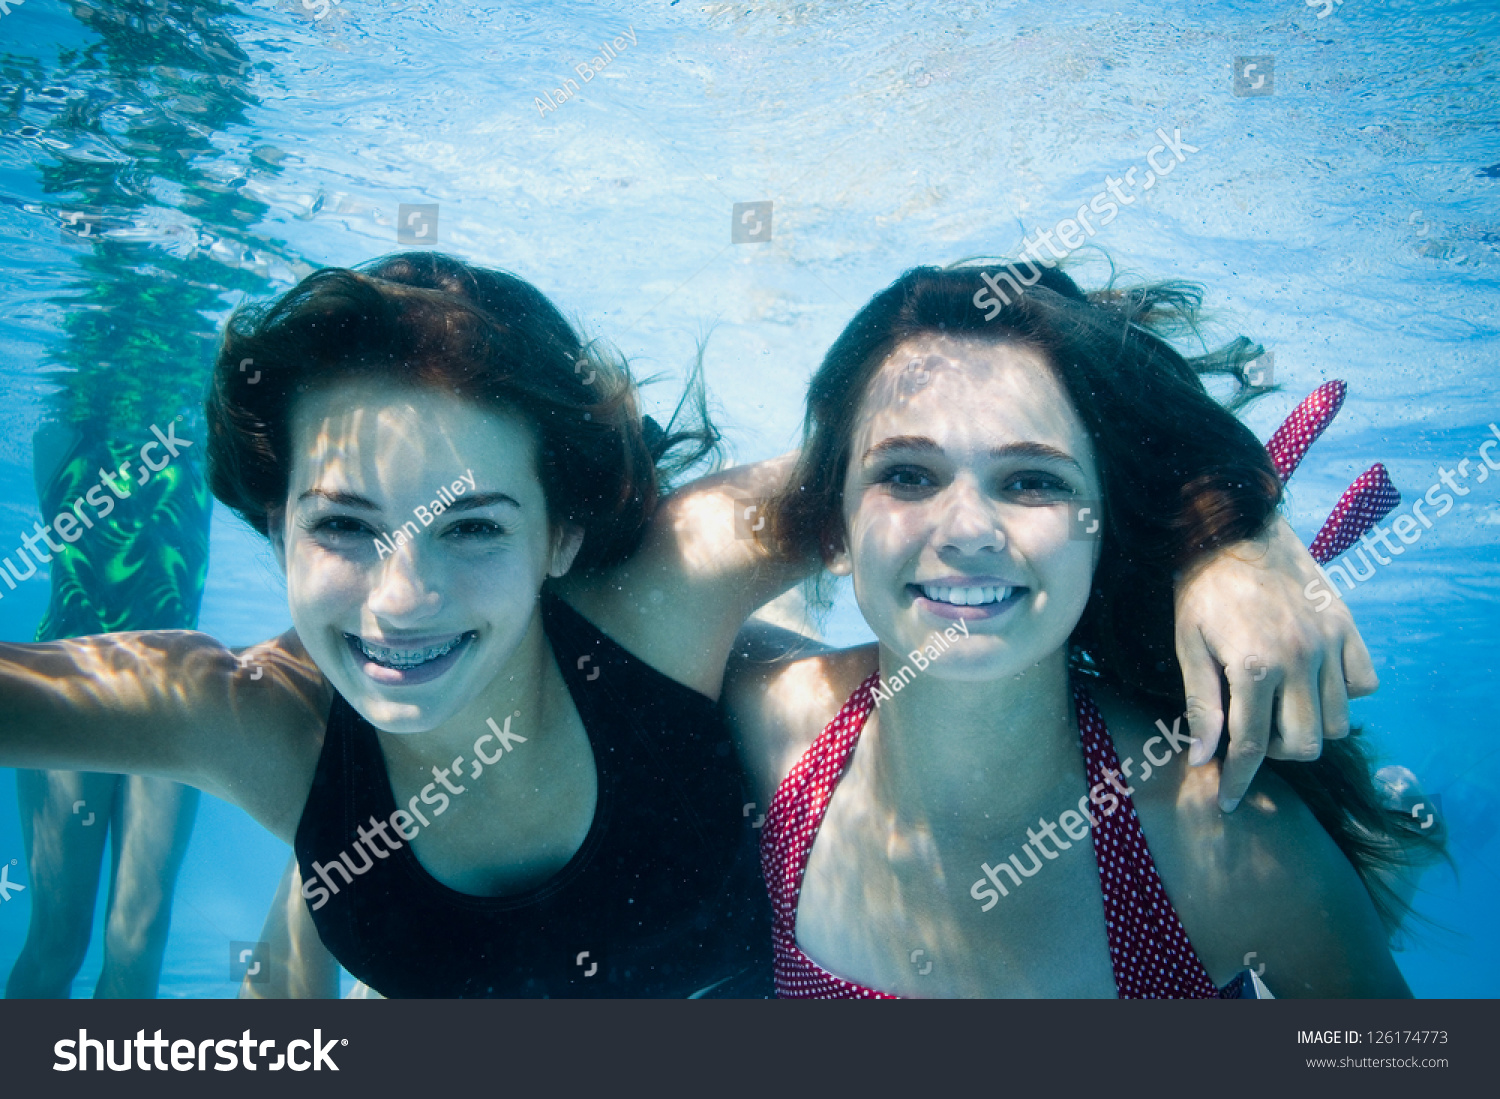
780,690
681,598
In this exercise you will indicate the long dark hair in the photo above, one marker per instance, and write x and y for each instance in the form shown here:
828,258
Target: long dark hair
1180,476
423,318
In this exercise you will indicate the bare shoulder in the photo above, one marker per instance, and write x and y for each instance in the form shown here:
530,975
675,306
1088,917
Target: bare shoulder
1264,885
301,695
780,691
276,702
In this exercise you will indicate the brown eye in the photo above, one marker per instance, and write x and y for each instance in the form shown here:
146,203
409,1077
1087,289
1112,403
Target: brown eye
907,477
1034,483
476,528
340,525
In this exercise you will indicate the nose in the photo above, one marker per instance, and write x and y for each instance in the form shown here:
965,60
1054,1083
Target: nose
968,525
401,593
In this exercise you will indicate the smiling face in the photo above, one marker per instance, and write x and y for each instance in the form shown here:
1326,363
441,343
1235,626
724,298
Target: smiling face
412,636
958,503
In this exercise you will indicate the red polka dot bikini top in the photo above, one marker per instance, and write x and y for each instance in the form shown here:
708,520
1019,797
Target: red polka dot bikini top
1148,947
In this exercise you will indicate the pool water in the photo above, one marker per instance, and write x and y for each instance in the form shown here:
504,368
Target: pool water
1335,190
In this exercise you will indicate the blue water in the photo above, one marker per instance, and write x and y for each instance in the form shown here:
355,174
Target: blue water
1344,220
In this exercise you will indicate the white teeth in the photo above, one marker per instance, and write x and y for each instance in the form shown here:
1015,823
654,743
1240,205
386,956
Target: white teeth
406,658
965,597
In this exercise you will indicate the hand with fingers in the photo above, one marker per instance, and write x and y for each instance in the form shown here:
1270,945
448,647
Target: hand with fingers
1290,670
1290,667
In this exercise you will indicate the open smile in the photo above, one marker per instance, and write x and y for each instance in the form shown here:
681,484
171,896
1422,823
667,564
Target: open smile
408,664
967,601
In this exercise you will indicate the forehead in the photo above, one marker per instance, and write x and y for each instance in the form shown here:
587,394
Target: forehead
969,395
369,437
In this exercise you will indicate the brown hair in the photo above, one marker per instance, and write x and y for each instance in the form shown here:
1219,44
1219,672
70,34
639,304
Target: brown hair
423,318
1179,473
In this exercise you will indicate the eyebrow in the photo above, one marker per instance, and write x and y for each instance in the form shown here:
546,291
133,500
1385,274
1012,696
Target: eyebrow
482,500
922,444
468,502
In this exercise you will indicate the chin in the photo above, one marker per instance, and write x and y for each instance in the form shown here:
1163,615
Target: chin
396,717
980,669
985,658
403,709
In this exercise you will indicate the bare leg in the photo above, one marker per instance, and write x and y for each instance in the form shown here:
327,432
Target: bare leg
153,824
63,853
300,966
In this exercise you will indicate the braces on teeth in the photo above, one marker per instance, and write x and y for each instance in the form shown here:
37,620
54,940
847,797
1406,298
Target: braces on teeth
406,658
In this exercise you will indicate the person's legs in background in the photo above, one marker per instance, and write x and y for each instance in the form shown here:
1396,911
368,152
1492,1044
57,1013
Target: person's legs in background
65,816
153,823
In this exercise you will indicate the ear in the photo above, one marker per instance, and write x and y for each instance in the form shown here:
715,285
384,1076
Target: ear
567,540
836,560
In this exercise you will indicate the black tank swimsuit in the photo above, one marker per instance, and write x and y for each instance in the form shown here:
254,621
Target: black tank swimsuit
664,898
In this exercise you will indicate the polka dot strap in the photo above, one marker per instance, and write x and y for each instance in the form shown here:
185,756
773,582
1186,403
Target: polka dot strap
1149,950
1148,946
1364,503
786,841
1302,428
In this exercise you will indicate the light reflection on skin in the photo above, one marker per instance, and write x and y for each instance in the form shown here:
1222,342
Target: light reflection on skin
918,372
118,683
475,570
989,455
956,502
982,745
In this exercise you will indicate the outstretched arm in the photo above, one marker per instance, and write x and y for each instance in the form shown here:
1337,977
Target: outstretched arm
1243,617
174,704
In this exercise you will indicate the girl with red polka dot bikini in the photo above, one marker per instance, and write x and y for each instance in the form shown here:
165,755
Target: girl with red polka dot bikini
1001,797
